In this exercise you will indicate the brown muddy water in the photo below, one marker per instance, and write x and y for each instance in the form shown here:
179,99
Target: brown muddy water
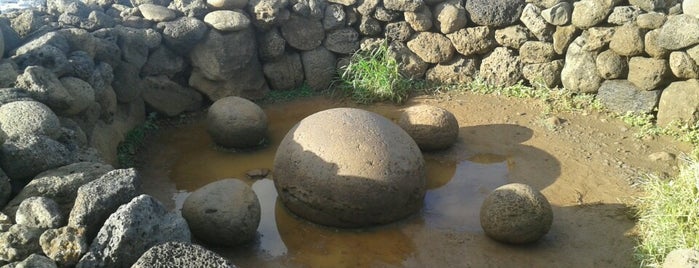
181,158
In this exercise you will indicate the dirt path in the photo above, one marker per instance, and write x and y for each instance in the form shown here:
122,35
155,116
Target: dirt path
583,164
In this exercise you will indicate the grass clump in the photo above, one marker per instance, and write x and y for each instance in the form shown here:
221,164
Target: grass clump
374,76
668,214
133,141
302,91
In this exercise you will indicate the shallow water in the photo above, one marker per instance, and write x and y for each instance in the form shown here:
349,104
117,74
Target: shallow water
182,159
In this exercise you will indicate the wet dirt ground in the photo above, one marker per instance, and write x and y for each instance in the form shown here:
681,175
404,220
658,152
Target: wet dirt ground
585,165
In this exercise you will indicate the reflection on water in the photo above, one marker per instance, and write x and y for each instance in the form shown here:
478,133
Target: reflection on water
456,190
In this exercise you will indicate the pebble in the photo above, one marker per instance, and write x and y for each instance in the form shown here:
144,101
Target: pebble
661,156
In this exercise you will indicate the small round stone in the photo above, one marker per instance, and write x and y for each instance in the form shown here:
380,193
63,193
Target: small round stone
225,213
516,213
348,167
234,122
431,127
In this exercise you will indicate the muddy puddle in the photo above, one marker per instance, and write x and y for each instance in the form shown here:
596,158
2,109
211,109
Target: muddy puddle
180,159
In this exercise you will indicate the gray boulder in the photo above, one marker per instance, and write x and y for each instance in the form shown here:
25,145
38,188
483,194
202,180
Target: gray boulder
532,19
21,118
410,65
82,93
398,31
136,43
516,213
227,20
624,14
24,157
190,8
334,18
432,128
682,258
649,5
217,63
651,20
681,64
81,63
98,199
501,68
450,16
679,32
34,261
181,35
536,52
168,97
19,242
473,40
342,41
562,37
248,82
679,103
128,85
497,13
163,61
627,40
596,38
459,70
180,254
558,14
318,67
223,213
60,184
268,13
39,212
303,33
589,13
47,56
8,73
386,15
285,73
611,66
622,96
271,45
431,47
512,36
420,20
579,73
547,74
44,86
64,245
648,73
403,5
652,45
133,229
156,13
369,26
235,122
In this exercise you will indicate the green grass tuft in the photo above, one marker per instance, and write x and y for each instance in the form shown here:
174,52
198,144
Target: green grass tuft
374,76
133,141
302,91
668,215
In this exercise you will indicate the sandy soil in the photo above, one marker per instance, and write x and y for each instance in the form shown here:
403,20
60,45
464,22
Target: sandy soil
585,164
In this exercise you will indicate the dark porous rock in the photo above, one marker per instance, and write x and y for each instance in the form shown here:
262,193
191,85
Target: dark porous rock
319,67
19,242
512,36
235,122
431,47
516,213
34,261
82,92
26,156
431,127
536,52
8,73
21,118
382,180
271,45
420,20
369,26
248,82
403,5
216,62
133,229
268,13
44,86
169,98
5,191
180,254
98,199
127,84
679,32
163,61
496,13
386,15
611,66
285,73
679,103
64,245
473,40
181,35
648,73
398,31
342,41
60,184
579,73
450,16
410,65
190,8
303,33
81,63
459,70
224,213
335,17
621,96
47,56
12,94
39,212
547,74
501,68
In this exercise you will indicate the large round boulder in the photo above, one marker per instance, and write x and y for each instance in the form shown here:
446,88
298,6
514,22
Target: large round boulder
516,213
431,127
234,122
224,213
347,167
